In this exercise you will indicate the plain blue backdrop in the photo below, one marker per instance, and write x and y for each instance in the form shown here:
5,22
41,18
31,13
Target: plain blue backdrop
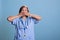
47,29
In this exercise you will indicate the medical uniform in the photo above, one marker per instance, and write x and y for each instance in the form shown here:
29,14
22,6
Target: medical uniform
24,28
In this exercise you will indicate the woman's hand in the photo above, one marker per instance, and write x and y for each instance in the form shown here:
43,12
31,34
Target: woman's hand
20,15
27,14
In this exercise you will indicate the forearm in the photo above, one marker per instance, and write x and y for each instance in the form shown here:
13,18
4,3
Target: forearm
11,18
35,16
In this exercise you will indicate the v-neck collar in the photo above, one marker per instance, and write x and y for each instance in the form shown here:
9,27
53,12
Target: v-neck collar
23,19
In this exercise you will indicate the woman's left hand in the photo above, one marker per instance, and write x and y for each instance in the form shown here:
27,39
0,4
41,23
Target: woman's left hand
27,14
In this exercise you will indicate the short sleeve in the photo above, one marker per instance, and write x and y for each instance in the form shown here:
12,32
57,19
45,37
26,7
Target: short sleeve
35,21
14,22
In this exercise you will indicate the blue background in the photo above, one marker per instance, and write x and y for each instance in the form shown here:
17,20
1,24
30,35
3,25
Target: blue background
49,10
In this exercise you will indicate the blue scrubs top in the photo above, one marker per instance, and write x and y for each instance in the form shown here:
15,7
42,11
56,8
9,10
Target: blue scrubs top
24,28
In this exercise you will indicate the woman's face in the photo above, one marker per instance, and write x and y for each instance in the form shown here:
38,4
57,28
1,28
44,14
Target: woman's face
24,10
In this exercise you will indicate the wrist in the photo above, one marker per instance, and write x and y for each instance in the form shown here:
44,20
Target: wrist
19,15
30,15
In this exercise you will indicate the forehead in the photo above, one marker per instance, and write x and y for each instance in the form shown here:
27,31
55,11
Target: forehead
24,8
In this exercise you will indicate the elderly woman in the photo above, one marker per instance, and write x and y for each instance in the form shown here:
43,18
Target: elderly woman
24,24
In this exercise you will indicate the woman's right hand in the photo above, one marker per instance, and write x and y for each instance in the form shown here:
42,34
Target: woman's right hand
20,15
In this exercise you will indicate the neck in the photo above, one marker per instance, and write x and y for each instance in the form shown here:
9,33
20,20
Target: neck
24,17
